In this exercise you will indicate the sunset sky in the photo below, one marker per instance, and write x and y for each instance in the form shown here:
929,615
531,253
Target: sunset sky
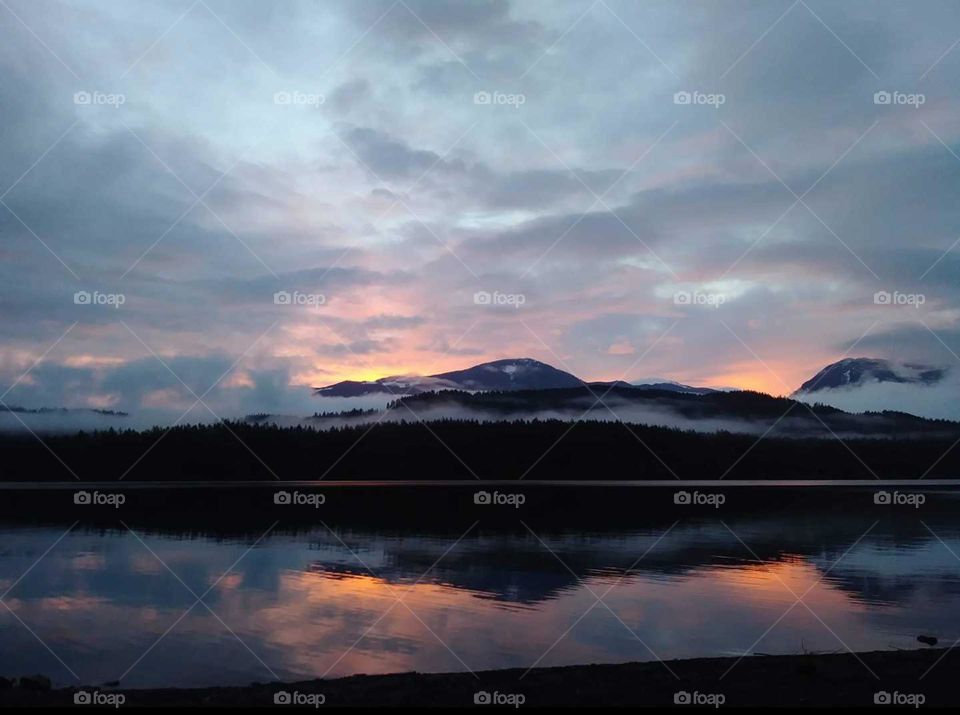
190,160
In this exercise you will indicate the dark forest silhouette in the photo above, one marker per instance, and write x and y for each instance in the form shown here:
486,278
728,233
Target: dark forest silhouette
464,449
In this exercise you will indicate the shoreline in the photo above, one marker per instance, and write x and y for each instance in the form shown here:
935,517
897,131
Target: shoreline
906,677
250,508
770,483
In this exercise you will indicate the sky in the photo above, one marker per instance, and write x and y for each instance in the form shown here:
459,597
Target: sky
236,200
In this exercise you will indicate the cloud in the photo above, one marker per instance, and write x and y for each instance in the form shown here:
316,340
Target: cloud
465,197
937,401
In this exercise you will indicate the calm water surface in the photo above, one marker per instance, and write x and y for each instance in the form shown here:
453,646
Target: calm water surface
102,604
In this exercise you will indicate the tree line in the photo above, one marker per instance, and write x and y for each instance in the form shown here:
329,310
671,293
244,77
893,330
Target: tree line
464,449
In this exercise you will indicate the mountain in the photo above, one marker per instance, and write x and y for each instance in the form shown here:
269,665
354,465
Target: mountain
393,385
49,421
518,374
511,374
499,375
61,411
601,385
671,386
856,372
657,384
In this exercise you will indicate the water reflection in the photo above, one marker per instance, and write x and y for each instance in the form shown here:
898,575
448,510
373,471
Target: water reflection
305,604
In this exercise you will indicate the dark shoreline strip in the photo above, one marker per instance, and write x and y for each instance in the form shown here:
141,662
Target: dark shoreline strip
778,681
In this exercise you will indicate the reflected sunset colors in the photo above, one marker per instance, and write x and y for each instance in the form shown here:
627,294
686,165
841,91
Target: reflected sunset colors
302,605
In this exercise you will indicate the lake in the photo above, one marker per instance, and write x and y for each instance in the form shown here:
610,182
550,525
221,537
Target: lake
440,583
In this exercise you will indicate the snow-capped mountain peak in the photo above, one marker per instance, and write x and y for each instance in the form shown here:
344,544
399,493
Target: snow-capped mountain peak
856,372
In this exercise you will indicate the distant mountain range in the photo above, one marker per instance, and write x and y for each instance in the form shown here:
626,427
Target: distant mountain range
61,411
499,375
857,372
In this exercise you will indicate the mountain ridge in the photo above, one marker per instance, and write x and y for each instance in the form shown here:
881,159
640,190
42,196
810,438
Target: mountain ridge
860,371
507,374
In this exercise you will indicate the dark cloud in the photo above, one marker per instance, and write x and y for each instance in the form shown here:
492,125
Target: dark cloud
350,95
388,158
